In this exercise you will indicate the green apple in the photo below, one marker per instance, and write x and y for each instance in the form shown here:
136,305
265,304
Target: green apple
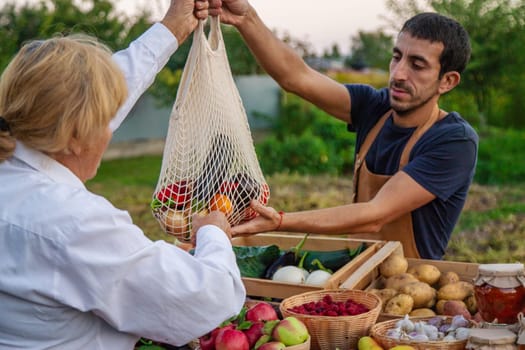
290,331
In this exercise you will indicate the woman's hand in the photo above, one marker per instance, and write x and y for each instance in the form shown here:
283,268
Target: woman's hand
182,16
215,218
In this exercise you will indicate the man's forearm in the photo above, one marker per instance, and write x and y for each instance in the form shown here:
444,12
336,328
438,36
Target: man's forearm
275,57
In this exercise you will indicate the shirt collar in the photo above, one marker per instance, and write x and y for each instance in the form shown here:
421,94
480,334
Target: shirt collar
46,165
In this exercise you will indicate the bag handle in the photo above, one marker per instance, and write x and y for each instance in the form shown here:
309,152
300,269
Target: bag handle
214,44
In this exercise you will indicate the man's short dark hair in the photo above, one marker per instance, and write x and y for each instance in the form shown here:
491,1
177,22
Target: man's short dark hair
438,28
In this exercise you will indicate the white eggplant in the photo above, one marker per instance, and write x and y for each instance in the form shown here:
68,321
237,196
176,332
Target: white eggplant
318,278
290,274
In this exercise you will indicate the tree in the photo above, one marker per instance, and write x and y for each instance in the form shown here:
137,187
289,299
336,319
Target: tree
371,49
47,18
333,53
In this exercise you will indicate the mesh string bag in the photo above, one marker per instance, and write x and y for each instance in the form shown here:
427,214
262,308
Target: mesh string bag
209,160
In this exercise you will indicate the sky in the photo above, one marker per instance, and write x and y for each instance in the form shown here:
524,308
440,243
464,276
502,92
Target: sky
321,23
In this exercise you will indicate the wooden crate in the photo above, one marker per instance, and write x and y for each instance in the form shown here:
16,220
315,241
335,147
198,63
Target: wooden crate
257,287
368,272
367,276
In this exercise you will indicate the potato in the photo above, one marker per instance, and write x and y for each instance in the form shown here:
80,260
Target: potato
448,277
400,305
393,265
456,307
422,312
455,291
440,306
384,294
398,281
421,293
425,273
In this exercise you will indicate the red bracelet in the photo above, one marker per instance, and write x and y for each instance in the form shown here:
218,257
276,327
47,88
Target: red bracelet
281,214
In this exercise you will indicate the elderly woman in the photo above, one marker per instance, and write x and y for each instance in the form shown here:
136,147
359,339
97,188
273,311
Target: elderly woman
75,272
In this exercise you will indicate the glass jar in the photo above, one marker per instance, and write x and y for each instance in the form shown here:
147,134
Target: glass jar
500,292
491,339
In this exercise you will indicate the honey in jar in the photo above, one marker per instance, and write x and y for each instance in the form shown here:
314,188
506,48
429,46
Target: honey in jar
500,292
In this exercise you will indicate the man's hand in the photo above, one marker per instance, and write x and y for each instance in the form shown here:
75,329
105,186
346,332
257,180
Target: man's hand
267,220
230,11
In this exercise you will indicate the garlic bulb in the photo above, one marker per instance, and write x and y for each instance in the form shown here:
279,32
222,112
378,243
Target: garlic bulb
405,324
462,333
457,322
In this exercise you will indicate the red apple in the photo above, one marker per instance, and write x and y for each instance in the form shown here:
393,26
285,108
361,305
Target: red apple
273,345
207,341
261,311
231,339
254,333
290,331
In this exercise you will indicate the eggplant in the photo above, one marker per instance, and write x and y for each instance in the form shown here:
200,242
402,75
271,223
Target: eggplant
287,258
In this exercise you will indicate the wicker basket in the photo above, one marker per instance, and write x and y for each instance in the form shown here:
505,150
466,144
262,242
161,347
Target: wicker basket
304,346
335,332
379,330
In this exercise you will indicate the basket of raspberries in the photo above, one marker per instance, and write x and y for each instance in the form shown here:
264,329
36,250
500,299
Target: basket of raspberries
335,318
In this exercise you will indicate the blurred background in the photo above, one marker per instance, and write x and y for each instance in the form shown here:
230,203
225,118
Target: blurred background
306,156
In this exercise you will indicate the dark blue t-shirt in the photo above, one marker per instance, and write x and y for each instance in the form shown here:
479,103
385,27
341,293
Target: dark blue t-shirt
443,161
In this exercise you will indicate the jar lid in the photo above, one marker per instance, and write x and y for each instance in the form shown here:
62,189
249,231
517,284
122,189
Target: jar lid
501,269
501,275
491,336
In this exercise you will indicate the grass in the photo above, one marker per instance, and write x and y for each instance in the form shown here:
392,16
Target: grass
490,230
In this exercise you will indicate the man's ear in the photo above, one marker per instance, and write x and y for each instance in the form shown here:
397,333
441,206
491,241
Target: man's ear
449,81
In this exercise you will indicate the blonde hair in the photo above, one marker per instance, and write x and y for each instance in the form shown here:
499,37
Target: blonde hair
58,89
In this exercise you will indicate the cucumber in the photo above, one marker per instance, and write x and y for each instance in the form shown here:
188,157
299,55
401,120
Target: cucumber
332,260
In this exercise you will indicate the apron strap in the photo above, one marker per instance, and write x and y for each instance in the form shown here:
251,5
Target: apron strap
363,150
417,135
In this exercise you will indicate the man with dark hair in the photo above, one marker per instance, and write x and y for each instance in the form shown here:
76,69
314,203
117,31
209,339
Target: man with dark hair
414,162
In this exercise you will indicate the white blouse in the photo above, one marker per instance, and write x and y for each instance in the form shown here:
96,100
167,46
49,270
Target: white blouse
76,273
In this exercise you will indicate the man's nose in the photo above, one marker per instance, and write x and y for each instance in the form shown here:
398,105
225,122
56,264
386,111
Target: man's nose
399,70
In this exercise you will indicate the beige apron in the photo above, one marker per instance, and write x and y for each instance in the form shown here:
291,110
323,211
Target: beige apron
367,184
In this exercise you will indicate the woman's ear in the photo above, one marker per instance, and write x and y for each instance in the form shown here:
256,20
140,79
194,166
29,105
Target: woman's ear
74,146
449,81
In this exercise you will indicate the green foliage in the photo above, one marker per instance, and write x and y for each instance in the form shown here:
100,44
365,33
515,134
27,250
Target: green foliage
500,158
371,49
306,140
47,18
303,154
463,103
